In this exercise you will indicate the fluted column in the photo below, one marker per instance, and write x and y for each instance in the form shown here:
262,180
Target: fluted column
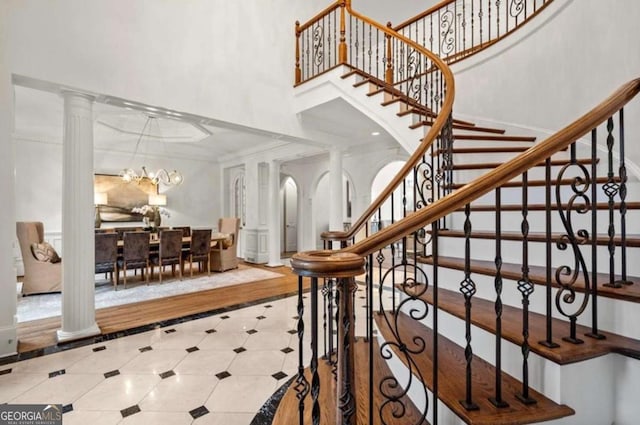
78,288
275,218
8,340
335,190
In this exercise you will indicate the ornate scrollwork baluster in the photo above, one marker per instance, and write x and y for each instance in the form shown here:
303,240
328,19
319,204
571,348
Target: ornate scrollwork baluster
611,189
566,276
516,7
318,46
392,390
447,36
315,377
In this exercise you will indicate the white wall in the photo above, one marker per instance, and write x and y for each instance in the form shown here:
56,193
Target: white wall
227,60
556,68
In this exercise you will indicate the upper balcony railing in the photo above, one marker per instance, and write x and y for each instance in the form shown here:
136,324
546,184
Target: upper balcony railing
456,29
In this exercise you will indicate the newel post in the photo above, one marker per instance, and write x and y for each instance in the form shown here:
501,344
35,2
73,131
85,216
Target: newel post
388,75
343,267
342,47
298,70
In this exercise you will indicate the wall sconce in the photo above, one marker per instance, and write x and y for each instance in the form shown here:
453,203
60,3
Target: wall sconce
99,198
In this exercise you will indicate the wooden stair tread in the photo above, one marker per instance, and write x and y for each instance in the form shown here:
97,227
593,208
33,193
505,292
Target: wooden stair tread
537,183
492,165
451,381
601,239
501,149
425,123
287,412
542,207
500,138
483,315
537,275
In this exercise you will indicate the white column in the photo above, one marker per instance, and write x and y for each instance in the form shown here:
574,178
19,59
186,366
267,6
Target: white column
275,218
335,190
78,288
8,338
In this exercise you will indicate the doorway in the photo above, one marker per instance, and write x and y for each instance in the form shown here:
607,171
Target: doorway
289,234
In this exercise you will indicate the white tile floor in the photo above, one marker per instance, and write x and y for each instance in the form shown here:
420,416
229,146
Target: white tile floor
216,370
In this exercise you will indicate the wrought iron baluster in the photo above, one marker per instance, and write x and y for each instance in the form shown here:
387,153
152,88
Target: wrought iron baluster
594,240
468,289
434,250
301,383
526,289
622,173
370,334
346,396
548,342
498,18
497,399
315,377
611,189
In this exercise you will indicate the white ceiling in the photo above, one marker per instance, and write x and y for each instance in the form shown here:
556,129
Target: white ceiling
119,124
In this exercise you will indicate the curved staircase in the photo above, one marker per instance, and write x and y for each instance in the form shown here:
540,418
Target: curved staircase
504,291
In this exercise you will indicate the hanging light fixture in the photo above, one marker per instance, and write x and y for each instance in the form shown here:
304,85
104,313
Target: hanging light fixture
168,178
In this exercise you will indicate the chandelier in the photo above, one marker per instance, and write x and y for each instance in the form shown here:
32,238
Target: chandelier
168,178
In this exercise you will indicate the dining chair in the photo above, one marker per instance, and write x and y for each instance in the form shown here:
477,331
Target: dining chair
224,254
106,254
200,248
135,254
169,252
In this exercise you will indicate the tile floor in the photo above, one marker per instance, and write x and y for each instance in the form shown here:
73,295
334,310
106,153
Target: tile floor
216,370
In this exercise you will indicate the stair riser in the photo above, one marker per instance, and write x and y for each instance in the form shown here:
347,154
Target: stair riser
484,249
617,316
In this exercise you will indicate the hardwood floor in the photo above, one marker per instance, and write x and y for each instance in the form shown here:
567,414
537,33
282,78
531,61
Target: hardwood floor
38,334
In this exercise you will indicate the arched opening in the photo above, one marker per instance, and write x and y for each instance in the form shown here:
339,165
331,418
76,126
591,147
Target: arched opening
400,203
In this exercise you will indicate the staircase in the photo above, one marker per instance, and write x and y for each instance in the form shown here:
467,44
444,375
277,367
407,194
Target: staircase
503,293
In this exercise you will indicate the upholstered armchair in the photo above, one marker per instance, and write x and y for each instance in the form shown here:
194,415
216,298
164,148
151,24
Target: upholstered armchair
224,256
42,273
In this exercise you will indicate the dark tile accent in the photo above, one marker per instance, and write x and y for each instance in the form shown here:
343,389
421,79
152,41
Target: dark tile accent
57,373
198,412
279,375
223,375
101,348
111,374
130,411
224,317
67,408
268,306
304,297
252,331
169,331
192,349
239,350
210,331
167,374
296,317
287,350
261,317
267,411
5,371
57,348
363,298
147,348
292,331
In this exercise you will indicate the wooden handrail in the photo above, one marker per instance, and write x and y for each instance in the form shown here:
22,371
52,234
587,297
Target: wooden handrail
424,14
319,16
434,131
500,175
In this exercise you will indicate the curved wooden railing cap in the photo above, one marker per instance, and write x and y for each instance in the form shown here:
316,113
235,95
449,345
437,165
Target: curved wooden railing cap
498,176
438,124
492,179
327,264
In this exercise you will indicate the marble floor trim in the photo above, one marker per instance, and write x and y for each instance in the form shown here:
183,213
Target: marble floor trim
110,336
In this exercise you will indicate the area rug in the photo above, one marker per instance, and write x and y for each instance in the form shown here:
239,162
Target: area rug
36,307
